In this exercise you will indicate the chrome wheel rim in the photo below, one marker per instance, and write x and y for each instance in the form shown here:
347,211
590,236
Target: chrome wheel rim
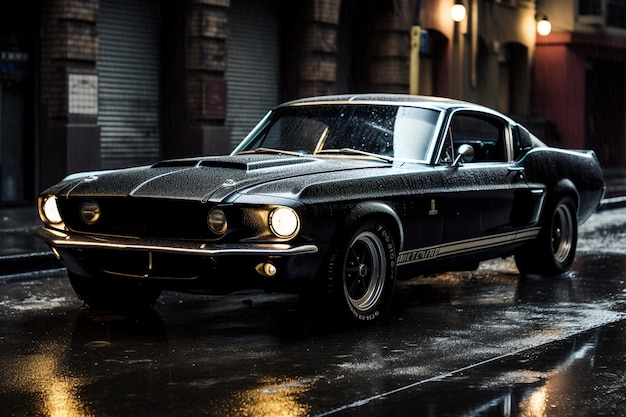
364,271
562,233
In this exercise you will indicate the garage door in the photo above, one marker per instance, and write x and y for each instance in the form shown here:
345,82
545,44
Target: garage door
253,64
128,89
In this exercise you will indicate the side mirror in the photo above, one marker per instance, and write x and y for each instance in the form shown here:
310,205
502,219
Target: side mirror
465,153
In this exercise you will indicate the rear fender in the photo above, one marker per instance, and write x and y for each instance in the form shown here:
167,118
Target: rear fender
564,187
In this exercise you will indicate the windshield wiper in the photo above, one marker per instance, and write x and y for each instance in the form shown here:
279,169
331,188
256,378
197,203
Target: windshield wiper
350,151
270,150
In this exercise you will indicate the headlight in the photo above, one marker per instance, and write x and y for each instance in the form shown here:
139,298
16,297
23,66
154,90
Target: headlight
216,220
50,211
284,222
89,211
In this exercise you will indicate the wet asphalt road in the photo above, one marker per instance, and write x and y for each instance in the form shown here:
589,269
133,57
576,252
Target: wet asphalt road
482,343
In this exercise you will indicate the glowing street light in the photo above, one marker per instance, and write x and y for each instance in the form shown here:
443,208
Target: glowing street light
458,11
544,27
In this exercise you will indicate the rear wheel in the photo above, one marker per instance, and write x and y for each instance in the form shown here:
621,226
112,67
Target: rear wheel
114,293
361,272
553,251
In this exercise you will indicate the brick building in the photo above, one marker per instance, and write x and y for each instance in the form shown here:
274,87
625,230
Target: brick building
99,84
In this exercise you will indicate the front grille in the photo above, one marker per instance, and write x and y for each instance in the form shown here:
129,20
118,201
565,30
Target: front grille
141,218
145,264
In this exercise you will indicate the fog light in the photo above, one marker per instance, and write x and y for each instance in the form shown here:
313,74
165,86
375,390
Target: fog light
266,269
89,211
217,221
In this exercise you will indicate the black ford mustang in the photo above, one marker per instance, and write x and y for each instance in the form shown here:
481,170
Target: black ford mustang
335,196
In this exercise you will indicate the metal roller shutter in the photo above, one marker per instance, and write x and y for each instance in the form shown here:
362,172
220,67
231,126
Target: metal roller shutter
253,64
128,82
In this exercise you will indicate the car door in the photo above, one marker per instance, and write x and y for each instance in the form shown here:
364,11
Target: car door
479,203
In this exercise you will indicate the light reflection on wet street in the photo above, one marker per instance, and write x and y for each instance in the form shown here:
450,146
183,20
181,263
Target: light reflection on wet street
484,343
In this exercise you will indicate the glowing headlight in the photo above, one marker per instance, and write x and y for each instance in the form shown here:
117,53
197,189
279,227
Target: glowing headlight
216,221
50,211
89,211
284,222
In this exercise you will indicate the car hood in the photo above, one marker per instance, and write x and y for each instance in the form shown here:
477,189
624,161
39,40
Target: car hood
209,178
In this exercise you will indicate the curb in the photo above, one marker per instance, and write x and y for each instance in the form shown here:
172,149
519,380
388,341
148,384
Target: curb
612,203
12,266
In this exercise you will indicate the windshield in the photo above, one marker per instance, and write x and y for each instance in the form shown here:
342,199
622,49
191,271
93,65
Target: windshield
385,130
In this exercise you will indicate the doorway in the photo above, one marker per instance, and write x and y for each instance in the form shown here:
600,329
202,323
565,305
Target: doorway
604,110
17,80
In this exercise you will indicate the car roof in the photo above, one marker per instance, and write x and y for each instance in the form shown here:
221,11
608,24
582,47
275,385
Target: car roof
432,102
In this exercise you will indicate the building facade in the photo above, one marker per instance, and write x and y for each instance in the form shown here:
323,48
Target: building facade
580,75
100,84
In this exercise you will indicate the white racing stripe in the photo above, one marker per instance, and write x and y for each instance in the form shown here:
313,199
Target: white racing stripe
465,246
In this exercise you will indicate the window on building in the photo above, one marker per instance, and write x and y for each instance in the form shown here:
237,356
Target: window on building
590,7
616,13
512,3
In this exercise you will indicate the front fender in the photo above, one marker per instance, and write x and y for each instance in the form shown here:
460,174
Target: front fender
378,210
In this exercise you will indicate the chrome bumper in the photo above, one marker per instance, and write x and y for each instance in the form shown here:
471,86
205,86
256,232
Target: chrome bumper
62,240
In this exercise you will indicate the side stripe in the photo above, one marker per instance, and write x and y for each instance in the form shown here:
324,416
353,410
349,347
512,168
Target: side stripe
465,246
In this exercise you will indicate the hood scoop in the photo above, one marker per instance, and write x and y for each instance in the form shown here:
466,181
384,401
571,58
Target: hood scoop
240,162
252,163
176,163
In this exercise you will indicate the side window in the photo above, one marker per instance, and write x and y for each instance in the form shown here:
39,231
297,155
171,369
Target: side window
447,153
487,135
413,132
521,141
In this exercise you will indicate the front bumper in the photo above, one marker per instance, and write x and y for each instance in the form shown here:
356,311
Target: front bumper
211,265
62,240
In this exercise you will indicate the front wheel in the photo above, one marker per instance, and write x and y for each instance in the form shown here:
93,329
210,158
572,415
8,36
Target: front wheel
362,272
553,251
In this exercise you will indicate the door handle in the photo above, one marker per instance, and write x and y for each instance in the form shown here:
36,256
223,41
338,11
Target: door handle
518,171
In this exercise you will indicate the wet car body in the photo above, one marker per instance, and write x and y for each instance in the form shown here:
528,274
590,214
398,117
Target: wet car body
369,189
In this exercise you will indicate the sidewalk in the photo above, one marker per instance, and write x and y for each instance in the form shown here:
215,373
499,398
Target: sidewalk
615,179
615,183
22,253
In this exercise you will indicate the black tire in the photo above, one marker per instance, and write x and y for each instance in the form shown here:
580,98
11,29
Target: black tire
111,293
553,252
361,272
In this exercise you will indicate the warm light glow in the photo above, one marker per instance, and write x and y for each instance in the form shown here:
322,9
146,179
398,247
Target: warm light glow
52,389
544,27
536,403
284,222
50,211
458,12
276,398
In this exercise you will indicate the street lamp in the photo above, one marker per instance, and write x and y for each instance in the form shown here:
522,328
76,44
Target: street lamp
544,27
457,11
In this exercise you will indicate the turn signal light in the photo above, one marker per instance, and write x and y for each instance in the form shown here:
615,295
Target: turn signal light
266,269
